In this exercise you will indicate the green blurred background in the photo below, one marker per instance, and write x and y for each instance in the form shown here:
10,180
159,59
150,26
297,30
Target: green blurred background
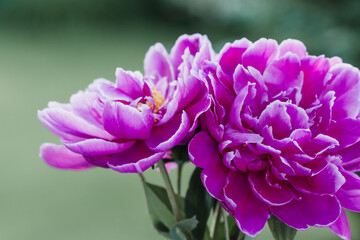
49,49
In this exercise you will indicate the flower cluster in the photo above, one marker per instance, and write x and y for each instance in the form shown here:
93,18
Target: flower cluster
280,129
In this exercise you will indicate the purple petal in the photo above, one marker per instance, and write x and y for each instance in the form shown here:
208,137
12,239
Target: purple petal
136,159
97,146
341,227
345,83
271,195
315,70
260,54
276,116
293,46
190,42
70,124
346,131
283,74
328,181
349,193
168,135
203,151
127,122
214,180
351,157
157,63
59,156
251,213
231,55
129,82
310,210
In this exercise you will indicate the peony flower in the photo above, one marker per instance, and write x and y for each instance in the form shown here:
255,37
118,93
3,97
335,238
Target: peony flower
281,137
131,124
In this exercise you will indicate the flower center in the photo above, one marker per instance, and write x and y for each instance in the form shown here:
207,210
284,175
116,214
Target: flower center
158,100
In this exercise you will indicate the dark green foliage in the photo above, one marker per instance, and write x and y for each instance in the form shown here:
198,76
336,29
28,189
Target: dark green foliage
280,230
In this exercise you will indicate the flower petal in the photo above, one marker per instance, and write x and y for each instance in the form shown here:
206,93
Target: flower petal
271,195
251,213
59,156
310,210
168,135
346,84
283,74
203,151
127,122
349,193
129,82
64,121
260,54
327,181
294,46
97,146
136,159
157,63
341,227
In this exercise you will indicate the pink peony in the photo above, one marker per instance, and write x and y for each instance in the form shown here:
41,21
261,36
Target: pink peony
129,125
282,136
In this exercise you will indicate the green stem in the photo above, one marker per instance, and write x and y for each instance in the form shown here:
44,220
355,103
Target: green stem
142,177
179,171
170,190
215,222
226,226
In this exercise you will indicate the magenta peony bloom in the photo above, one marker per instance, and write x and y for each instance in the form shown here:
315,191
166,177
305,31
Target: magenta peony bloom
129,125
281,137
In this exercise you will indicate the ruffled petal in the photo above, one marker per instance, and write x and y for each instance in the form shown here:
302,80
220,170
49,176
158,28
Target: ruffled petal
309,210
157,63
203,151
136,159
168,135
327,181
61,120
260,54
250,213
97,146
271,195
59,156
341,227
345,83
127,122
294,46
130,83
349,193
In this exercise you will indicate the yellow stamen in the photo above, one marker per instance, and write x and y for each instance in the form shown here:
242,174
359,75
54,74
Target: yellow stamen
158,99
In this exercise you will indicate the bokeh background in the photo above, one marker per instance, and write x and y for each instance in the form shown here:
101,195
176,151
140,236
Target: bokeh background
49,49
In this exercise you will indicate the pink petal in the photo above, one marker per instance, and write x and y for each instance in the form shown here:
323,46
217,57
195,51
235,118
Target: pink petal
60,157
271,195
168,135
157,63
260,54
127,122
97,146
136,159
251,213
293,46
341,227
310,210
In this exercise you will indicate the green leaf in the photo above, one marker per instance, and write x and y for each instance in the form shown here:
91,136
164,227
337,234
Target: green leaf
182,229
159,207
280,230
199,203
